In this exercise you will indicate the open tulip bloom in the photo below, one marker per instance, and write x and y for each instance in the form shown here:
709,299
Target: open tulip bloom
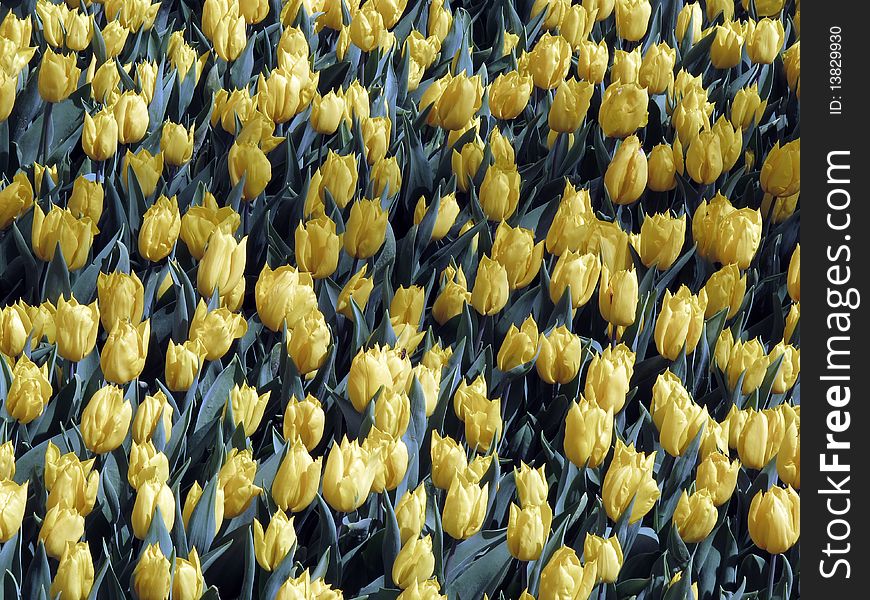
399,298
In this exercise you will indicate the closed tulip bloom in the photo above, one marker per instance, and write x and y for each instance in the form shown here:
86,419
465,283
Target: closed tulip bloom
100,135
407,305
559,357
151,410
500,192
464,508
564,577
367,28
448,460
131,114
747,107
358,288
58,76
453,296
284,295
151,577
576,23
273,544
632,19
570,226
236,479
515,249
606,554
317,247
695,516
188,582
390,457
725,289
520,346
150,496
629,477
626,175
222,264
657,70
680,322
483,423
14,327
183,362
249,161
366,228
774,519
608,377
376,138
248,407
791,59
61,526
580,272
369,371
789,369
690,21
429,379
161,224
106,420
717,475
7,460
730,142
75,573
592,62
414,563
13,500
760,437
304,420
30,390
216,329
527,530
123,356
297,479
588,433
60,227
86,199
326,113
146,464
532,487
467,395
549,61
668,389
386,175
106,82
749,360
570,105
77,326
392,413
225,27
661,169
411,513
448,210
16,198
70,483
491,287
623,109
780,174
147,169
765,41
704,161
176,141
348,476
727,45
509,95
788,459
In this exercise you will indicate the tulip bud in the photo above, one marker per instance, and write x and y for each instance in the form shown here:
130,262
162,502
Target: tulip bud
515,249
386,176
161,224
61,228
500,192
326,113
367,30
183,362
747,107
106,420
661,169
570,105
606,554
188,582
317,247
608,377
746,360
123,356
58,76
122,298
632,19
618,296
146,464
629,477
348,476
760,437
147,169
532,487
695,516
13,499
176,143
527,530
727,46
448,210
30,390
580,272
414,563
150,496
509,95
308,343
60,527
464,507
657,70
765,41
623,109
222,265
725,289
780,174
77,326
448,460
680,322
519,346
592,61
236,479
75,573
304,421
559,356
549,61
192,500
453,296
216,329
7,460
100,135
564,576
152,409
491,287
588,433
271,546
357,288
131,114
284,295
718,477
704,161
411,513
248,407
791,59
774,519
151,577
366,228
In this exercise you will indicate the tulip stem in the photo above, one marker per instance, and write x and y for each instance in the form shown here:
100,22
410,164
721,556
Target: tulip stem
772,568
